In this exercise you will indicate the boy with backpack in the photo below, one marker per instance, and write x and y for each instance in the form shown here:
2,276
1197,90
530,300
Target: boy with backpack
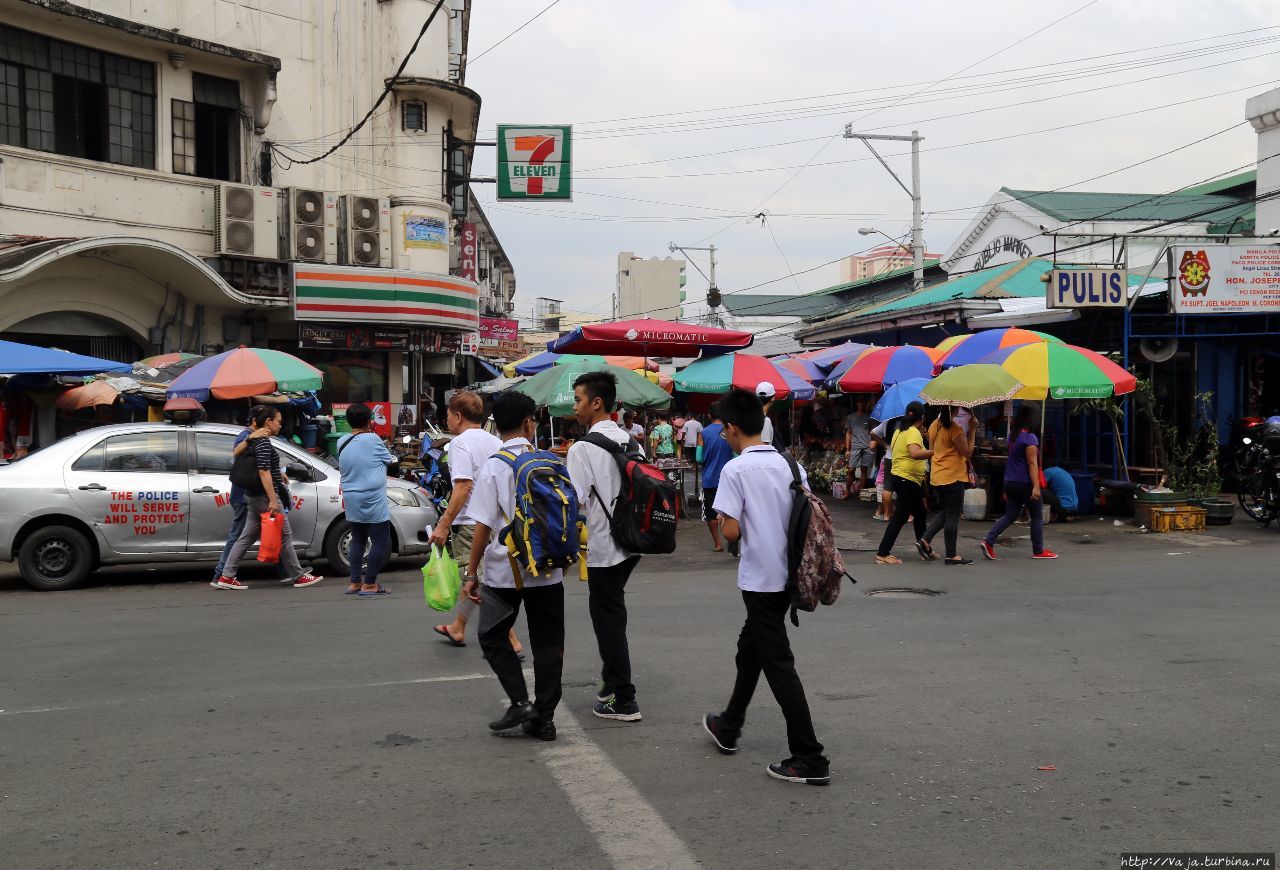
756,499
522,564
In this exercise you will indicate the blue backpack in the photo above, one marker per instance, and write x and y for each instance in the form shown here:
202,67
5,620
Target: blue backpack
547,531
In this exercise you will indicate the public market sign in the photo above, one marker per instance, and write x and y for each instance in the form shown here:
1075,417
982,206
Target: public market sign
1225,279
534,161
1088,288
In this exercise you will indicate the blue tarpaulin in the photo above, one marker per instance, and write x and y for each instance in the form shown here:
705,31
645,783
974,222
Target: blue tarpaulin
28,359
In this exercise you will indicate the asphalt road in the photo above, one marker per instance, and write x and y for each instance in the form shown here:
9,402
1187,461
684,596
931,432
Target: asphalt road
150,721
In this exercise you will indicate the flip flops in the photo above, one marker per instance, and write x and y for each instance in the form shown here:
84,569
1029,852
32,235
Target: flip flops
444,632
381,590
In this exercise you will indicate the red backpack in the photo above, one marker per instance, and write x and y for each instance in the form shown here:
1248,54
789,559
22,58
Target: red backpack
645,516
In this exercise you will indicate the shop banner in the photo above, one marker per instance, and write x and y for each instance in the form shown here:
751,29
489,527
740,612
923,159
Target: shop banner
335,336
380,423
1088,288
1225,279
391,296
468,261
425,232
495,331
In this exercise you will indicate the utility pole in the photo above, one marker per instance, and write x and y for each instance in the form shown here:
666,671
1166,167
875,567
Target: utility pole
917,212
713,292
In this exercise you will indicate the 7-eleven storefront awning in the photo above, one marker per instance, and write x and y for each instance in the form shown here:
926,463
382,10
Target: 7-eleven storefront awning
354,294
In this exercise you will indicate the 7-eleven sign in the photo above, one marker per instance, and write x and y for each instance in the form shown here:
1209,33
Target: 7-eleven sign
533,161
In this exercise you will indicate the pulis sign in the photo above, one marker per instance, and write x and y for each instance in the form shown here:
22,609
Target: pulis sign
1088,288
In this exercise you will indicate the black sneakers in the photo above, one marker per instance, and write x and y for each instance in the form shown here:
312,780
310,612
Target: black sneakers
603,693
614,709
792,770
517,714
541,730
724,741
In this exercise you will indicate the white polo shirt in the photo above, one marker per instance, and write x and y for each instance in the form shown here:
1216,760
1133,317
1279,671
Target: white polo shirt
493,501
689,432
469,452
755,490
590,466
766,434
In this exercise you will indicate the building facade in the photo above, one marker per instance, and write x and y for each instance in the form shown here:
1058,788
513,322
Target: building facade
649,287
877,261
194,175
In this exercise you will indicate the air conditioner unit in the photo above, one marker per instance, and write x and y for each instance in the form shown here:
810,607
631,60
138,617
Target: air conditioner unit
366,231
311,226
245,220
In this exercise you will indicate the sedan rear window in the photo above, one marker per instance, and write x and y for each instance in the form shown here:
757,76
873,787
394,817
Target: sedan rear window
136,452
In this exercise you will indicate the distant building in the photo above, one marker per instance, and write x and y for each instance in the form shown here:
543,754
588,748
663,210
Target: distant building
877,261
650,288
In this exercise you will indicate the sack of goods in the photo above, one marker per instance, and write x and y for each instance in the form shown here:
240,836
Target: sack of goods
814,565
647,512
547,531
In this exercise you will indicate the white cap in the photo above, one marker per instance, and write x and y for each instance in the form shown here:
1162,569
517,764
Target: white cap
765,390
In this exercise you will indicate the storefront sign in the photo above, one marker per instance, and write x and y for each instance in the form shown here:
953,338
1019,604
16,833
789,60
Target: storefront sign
1006,245
1225,279
425,232
469,255
334,336
495,331
391,296
534,161
471,343
1088,288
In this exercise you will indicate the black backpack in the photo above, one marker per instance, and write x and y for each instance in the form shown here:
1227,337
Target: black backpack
645,516
244,472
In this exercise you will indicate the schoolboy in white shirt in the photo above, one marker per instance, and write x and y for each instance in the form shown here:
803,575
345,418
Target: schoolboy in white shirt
755,498
492,505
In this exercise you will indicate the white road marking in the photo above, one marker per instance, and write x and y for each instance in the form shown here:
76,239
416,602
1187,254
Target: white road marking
32,710
453,679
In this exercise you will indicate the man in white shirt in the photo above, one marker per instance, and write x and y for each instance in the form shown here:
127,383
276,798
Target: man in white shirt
755,499
597,481
470,448
632,427
492,505
765,393
689,433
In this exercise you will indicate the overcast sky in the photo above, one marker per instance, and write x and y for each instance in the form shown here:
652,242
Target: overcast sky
654,87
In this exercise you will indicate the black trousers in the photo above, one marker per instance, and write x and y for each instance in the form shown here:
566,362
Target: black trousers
763,646
607,604
951,502
544,611
908,503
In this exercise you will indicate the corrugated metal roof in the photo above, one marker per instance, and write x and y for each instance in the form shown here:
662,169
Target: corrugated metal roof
1240,179
778,305
1086,206
874,279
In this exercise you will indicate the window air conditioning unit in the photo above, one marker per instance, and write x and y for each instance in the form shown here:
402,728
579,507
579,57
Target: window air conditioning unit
245,220
311,226
366,231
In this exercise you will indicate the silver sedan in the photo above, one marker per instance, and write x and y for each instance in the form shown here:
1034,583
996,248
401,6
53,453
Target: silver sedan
155,492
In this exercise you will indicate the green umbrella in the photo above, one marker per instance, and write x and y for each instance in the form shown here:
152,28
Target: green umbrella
970,386
553,388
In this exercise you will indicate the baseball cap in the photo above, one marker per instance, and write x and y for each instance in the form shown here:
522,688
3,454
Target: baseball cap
765,390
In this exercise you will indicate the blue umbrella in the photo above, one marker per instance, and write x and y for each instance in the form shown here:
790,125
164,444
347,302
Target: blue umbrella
535,364
829,357
895,399
27,359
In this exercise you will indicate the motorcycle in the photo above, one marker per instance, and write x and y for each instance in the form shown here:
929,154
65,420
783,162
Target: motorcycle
1258,467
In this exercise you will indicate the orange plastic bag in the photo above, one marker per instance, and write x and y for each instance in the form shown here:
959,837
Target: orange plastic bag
272,537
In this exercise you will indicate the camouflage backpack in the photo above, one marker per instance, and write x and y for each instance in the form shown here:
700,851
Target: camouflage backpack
815,567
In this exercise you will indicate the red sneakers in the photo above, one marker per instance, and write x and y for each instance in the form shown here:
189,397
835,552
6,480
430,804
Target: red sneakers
1045,554
307,579
229,583
989,551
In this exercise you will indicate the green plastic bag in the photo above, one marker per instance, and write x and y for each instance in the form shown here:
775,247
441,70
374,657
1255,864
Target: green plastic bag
441,580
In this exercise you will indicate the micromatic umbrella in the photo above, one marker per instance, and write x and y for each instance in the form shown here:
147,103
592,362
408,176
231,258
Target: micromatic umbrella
895,399
1049,370
648,338
243,373
961,350
970,386
553,388
720,374
886,366
18,359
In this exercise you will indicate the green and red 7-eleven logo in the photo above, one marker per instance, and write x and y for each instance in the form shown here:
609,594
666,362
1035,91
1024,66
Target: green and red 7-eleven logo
534,162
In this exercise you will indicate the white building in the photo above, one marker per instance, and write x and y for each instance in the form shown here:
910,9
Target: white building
155,193
650,288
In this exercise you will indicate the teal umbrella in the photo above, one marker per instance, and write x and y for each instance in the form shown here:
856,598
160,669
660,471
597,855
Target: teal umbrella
553,388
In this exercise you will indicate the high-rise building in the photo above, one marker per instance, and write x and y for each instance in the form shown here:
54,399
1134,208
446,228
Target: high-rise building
877,261
650,288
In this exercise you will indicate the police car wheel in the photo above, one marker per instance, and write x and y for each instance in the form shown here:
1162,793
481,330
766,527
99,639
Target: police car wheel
55,557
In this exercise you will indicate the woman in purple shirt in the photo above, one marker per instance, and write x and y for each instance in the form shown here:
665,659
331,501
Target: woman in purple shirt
1022,487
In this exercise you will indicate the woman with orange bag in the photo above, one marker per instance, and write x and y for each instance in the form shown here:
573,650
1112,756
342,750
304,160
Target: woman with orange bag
267,498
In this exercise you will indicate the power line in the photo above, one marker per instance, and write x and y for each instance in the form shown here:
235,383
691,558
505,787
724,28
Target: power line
541,12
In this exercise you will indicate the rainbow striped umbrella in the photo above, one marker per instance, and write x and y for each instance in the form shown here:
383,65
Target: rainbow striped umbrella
960,350
245,372
1051,370
885,366
829,357
802,368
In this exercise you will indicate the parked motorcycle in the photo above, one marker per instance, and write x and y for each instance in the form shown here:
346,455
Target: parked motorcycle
1258,467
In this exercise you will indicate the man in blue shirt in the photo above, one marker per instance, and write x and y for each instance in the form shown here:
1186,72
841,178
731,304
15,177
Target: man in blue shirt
715,453
1062,495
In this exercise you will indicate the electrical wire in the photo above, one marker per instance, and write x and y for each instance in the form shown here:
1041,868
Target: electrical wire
541,12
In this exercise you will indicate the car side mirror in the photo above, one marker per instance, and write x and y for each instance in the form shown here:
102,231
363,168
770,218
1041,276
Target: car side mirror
298,471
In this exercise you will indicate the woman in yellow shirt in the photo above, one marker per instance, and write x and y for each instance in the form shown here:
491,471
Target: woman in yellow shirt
949,476
908,472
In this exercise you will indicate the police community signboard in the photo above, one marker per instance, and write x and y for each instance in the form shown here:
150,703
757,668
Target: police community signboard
1225,279
534,161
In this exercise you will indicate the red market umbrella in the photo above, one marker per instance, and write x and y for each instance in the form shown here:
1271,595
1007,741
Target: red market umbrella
877,369
720,374
648,338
